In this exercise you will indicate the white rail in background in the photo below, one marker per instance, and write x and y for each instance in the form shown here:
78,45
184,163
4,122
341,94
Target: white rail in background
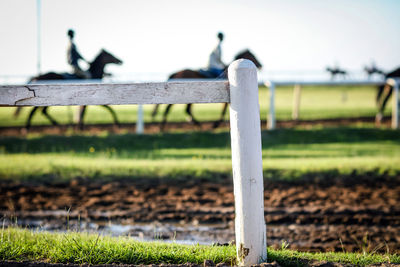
297,93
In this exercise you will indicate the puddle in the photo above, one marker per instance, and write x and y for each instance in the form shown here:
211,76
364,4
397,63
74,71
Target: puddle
166,232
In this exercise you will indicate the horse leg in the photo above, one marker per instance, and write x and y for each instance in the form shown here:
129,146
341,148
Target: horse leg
221,119
113,114
164,120
28,121
17,112
191,118
82,110
385,93
379,94
155,111
44,112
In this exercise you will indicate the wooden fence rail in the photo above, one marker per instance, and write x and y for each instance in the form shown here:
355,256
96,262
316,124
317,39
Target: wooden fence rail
241,91
114,94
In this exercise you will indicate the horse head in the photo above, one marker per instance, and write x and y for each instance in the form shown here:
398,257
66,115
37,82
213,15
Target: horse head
107,58
331,70
246,54
96,68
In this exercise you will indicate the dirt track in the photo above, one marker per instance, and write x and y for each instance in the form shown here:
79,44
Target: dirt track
346,213
155,127
350,213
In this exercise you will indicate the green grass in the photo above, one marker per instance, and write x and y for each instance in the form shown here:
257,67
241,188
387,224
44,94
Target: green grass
286,257
316,103
287,154
79,248
19,245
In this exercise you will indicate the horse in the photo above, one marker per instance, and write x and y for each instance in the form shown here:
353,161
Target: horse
373,70
336,72
200,74
384,93
96,69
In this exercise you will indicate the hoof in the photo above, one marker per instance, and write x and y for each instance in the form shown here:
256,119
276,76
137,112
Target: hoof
162,127
216,124
194,122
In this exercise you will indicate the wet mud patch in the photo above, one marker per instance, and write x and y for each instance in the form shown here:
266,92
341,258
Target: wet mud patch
353,213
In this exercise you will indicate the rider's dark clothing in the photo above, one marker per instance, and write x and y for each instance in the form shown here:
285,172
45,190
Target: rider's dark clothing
73,57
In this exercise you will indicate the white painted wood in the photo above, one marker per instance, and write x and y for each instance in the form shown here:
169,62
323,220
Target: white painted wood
9,95
139,120
327,83
114,94
250,226
271,113
296,101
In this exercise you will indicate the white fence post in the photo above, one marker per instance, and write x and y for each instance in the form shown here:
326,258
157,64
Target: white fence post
250,229
296,102
395,103
271,114
139,120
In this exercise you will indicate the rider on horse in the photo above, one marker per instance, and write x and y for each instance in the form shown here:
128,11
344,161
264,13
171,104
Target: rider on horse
73,57
215,65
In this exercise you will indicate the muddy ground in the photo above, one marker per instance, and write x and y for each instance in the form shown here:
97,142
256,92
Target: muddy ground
351,213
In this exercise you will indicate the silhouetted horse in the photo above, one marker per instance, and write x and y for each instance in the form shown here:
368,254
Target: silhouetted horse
336,72
96,70
373,70
384,93
199,74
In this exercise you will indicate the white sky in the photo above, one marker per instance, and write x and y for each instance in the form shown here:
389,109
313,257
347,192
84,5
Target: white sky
168,35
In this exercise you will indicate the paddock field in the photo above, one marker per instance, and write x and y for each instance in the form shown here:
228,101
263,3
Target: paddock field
327,188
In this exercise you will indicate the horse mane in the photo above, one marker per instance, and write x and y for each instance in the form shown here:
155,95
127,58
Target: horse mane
97,58
241,53
96,66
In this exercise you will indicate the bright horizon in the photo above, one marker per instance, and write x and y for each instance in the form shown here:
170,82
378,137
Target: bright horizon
165,36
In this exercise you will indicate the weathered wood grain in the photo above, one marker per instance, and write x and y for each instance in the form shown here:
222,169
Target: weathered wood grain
114,94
